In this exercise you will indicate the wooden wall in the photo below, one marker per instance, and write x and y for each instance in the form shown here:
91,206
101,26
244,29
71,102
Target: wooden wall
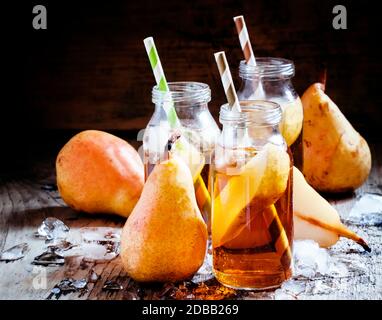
90,70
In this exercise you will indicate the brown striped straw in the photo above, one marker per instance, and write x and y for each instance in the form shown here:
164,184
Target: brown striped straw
226,77
244,40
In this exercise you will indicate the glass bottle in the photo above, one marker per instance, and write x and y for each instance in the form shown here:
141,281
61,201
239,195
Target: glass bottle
197,127
271,79
251,186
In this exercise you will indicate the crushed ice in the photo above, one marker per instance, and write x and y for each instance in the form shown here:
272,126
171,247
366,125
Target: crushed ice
94,243
52,229
313,267
367,210
205,271
290,290
15,253
311,261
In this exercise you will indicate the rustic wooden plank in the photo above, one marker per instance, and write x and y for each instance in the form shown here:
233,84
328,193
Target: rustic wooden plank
24,205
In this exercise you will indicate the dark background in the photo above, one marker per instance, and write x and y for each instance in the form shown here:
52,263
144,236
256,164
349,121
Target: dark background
89,69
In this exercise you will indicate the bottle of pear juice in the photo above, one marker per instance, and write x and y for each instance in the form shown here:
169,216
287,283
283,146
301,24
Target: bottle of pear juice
193,141
271,79
252,214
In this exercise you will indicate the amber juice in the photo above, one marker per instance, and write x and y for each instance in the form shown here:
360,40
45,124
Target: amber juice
256,251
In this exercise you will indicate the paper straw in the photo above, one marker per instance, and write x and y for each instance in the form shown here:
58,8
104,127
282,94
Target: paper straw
244,40
160,80
249,56
226,77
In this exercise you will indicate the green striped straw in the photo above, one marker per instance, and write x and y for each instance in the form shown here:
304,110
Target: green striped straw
202,194
161,80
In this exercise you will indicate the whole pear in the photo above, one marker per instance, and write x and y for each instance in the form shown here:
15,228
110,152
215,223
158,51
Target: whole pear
336,157
98,172
165,237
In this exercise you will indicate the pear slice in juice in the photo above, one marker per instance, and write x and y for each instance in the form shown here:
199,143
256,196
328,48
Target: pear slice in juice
262,180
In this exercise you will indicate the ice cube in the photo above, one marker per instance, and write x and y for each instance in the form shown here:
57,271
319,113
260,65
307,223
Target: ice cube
52,229
112,286
367,210
68,285
15,253
49,258
100,243
62,245
100,235
93,276
79,284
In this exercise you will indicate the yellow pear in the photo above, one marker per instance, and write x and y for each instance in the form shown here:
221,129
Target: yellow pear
291,122
165,237
314,218
336,157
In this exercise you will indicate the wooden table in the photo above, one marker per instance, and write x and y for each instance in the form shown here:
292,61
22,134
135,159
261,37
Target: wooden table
27,198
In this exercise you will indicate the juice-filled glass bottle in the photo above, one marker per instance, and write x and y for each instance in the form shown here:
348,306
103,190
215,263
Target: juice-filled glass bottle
251,185
198,131
271,79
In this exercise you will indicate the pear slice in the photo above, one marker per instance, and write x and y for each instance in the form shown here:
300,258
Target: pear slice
263,180
314,218
254,234
336,158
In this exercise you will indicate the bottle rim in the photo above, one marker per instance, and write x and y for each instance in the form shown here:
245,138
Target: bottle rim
182,91
253,112
268,68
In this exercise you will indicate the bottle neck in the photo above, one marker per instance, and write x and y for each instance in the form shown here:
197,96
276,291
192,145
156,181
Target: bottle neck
270,79
182,94
267,69
256,125
189,99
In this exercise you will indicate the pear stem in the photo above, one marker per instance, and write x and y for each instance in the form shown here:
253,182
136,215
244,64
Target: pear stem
323,77
341,230
173,138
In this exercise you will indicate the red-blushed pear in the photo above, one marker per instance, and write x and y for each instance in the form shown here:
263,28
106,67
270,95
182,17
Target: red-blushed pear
99,173
314,218
165,237
336,157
